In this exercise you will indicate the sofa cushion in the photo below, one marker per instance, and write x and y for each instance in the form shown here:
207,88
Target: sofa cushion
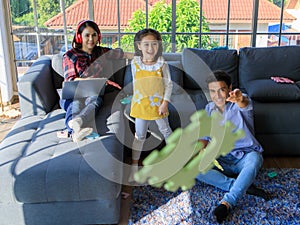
57,65
118,69
177,74
198,63
58,75
277,127
265,62
128,87
171,56
58,170
277,118
266,90
184,105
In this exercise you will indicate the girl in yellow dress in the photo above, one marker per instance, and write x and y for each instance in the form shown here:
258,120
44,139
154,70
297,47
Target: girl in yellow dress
152,87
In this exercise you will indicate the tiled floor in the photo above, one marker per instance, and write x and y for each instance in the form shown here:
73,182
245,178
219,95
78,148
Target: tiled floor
8,117
5,125
11,115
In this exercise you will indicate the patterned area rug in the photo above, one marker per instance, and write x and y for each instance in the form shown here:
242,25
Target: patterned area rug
158,206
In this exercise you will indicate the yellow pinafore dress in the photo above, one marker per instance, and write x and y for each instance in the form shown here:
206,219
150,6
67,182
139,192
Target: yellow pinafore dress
148,92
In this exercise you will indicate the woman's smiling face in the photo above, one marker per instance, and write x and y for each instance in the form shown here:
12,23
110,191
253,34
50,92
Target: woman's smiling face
89,39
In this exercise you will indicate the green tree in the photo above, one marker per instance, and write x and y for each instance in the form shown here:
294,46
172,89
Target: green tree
19,7
46,9
160,18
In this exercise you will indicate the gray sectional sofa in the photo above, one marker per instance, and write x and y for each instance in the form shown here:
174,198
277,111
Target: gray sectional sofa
276,105
46,180
49,180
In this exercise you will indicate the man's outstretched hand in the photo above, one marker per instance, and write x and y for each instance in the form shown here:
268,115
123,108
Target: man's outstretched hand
237,96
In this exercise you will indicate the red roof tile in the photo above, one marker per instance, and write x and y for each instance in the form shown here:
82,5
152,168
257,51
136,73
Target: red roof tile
292,4
105,13
215,11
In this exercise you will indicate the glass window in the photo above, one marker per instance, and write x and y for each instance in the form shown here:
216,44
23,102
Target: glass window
45,27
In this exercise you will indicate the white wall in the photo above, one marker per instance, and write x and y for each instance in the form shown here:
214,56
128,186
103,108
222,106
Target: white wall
295,13
261,40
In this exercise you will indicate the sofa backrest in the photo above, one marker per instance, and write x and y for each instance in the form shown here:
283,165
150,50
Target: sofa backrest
36,88
258,65
198,63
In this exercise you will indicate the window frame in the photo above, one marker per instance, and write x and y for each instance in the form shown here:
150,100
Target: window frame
227,33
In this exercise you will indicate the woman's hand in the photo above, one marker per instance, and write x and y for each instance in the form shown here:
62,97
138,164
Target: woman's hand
109,82
80,78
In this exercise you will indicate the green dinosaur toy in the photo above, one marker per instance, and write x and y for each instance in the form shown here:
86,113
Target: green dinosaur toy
182,159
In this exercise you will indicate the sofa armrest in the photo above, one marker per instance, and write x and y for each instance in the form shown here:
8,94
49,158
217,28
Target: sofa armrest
36,89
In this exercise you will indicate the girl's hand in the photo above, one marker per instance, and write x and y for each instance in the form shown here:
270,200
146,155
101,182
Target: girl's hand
163,108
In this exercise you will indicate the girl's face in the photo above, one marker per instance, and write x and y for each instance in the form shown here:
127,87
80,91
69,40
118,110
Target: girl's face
89,39
149,47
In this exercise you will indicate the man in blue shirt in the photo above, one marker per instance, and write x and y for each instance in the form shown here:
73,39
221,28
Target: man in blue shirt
242,164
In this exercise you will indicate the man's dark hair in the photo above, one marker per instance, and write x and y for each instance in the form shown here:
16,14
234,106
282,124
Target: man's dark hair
219,75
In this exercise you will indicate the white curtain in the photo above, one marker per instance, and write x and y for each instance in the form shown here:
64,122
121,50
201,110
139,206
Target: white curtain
7,65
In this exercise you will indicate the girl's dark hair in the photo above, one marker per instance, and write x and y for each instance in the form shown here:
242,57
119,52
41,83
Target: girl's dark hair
219,75
142,33
80,27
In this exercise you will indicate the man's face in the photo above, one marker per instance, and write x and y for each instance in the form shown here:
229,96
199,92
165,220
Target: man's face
219,91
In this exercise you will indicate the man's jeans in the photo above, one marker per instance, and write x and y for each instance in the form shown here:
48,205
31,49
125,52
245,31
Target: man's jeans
246,168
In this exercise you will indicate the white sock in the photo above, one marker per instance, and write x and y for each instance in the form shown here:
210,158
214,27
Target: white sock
78,136
75,124
137,147
134,169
